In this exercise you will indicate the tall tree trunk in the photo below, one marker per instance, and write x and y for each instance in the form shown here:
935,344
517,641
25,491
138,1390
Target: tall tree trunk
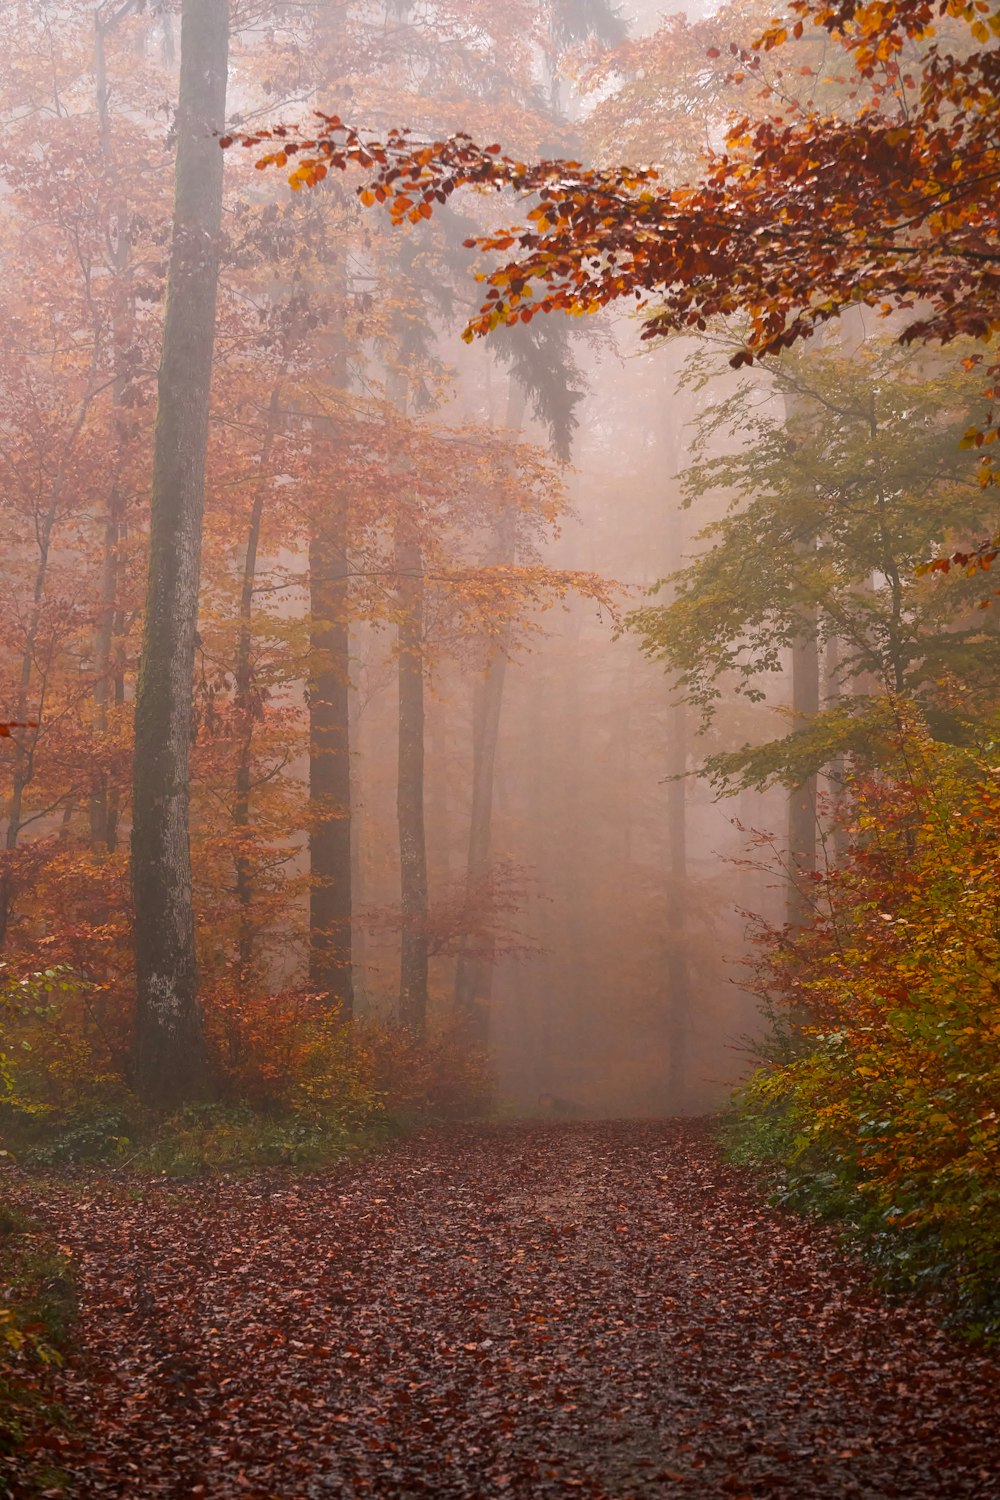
474,971
677,973
244,698
677,976
104,800
894,669
104,806
169,1042
413,958
538,984
23,769
359,944
332,839
836,772
330,959
24,750
575,1015
802,799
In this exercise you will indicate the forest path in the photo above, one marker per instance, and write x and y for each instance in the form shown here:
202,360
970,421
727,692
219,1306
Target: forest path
598,1310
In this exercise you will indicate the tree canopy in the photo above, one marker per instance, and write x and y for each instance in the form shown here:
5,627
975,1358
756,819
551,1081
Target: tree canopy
891,203
838,485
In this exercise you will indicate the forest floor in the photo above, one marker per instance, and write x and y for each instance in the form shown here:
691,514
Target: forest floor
593,1310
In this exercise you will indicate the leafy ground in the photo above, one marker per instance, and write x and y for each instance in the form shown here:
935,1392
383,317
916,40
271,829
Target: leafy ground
598,1310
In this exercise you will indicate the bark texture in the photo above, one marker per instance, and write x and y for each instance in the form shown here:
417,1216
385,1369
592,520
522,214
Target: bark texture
169,1045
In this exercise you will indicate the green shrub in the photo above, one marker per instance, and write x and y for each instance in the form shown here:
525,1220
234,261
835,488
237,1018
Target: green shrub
37,1313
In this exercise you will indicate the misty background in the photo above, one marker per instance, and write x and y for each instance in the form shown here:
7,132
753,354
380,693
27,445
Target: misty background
427,564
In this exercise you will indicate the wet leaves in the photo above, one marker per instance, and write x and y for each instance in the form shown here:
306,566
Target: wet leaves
596,1310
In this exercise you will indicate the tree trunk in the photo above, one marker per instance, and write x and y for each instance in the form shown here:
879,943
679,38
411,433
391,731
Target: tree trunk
169,1042
677,972
330,973
413,959
836,773
802,799
474,972
677,975
894,666
24,749
104,800
359,944
23,769
244,698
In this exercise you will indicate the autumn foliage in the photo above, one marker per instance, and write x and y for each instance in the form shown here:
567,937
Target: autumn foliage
308,440
394,863
795,221
890,1002
362,529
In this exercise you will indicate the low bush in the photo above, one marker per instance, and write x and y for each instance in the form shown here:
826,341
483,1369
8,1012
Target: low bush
889,1120
289,1084
37,1312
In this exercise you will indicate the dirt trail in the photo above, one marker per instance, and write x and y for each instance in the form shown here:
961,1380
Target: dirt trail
590,1310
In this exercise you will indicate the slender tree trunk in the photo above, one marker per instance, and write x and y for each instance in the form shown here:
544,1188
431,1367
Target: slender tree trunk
330,958
103,805
577,736
678,977
413,960
836,772
244,700
802,799
356,834
894,669
677,971
474,972
441,853
169,1041
24,751
23,769
45,525
539,983
104,801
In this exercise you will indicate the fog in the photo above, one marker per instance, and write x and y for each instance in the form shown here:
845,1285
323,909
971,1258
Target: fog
499,776
439,771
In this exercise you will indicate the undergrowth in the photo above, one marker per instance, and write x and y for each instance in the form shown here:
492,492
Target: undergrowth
37,1314
286,1086
953,1267
199,1139
878,1102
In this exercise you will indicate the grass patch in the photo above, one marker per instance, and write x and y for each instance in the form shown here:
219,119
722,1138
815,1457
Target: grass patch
209,1139
202,1139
